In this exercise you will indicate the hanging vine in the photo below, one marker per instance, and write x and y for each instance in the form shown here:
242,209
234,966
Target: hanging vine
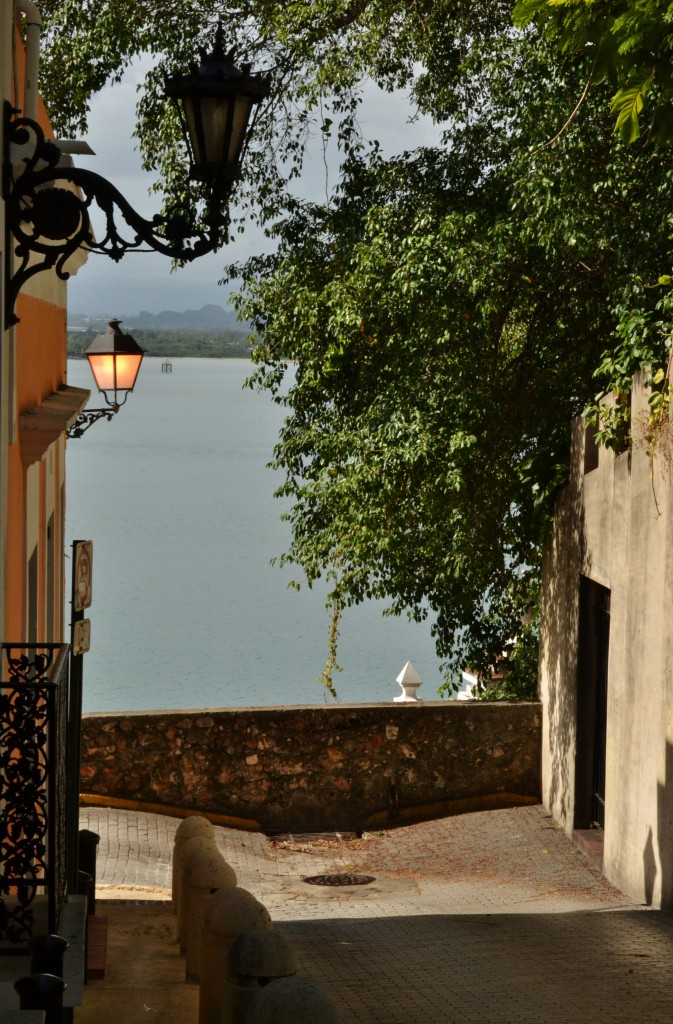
332,665
654,430
646,345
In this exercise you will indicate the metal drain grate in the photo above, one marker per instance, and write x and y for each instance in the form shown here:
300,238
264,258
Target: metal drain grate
341,878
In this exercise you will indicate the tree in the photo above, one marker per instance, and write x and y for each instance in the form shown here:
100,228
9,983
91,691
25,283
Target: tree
316,55
444,325
434,327
630,45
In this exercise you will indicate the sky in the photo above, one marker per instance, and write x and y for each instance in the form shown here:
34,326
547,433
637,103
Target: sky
145,281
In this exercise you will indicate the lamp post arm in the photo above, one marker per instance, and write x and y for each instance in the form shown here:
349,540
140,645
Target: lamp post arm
47,211
171,236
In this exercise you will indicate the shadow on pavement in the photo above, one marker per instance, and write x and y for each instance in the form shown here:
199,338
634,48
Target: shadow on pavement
583,966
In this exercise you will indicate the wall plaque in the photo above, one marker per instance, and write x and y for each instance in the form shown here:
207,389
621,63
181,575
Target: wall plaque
82,570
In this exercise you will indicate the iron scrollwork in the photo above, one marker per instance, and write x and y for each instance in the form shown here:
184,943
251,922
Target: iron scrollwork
88,418
31,665
47,207
33,724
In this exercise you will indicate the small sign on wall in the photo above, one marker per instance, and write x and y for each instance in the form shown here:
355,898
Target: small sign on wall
81,637
82,574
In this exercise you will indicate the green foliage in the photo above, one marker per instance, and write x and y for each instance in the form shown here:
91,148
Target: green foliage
630,44
519,681
434,326
443,317
316,55
643,342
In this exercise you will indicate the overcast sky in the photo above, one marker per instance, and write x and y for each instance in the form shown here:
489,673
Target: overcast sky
145,281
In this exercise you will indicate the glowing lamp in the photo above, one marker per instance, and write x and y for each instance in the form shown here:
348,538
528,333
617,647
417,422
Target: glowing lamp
115,358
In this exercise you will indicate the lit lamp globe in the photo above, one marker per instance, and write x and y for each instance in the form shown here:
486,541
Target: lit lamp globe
115,358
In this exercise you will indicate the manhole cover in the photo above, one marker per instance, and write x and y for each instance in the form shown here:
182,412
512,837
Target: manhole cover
341,878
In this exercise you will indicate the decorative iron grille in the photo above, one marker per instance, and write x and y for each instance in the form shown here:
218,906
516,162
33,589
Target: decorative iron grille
33,826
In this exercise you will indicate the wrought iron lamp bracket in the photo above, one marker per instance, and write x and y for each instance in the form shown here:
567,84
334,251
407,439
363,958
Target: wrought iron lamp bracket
47,208
88,418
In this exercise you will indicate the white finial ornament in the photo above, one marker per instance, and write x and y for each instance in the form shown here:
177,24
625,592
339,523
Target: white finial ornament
409,680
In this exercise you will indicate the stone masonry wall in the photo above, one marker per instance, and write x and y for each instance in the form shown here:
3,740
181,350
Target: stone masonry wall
318,768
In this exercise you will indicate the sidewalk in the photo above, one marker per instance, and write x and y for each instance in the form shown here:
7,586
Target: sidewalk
492,918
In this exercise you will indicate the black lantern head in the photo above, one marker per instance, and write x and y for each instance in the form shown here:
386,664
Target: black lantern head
215,103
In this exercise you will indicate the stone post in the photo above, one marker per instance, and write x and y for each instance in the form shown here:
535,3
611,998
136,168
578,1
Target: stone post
256,959
189,828
227,914
190,854
210,874
298,1000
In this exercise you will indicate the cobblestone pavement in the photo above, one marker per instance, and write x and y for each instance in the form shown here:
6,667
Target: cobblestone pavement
492,917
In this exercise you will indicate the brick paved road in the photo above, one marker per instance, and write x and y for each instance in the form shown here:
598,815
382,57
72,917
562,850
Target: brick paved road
490,917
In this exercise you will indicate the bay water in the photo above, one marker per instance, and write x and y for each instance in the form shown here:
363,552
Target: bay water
188,611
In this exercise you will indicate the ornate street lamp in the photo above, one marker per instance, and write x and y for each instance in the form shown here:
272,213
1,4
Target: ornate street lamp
114,358
215,102
47,202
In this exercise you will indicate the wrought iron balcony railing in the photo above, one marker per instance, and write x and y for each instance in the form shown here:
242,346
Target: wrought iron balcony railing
33,791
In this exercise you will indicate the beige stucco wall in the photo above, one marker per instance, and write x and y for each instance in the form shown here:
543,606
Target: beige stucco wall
613,526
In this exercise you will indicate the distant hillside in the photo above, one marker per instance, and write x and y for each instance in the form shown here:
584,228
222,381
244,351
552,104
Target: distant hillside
209,318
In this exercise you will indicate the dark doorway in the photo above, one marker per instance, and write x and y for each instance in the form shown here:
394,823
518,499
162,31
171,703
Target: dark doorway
592,704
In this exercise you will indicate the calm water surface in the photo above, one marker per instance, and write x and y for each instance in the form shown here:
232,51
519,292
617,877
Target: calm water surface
187,610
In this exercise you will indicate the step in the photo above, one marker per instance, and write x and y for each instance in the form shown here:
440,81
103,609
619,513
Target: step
72,927
22,1016
96,948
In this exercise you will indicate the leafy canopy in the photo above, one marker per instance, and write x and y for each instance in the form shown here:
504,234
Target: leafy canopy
316,54
434,326
630,45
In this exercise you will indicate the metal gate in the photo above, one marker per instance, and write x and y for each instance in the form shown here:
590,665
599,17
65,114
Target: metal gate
33,791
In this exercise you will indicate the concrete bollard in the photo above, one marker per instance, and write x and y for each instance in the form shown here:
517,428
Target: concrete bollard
210,873
190,828
292,1001
47,953
87,854
227,914
256,959
189,854
42,992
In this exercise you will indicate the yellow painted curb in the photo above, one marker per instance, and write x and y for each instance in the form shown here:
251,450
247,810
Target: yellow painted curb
225,820
448,809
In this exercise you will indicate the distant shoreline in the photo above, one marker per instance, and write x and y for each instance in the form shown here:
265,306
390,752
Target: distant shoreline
175,344
80,357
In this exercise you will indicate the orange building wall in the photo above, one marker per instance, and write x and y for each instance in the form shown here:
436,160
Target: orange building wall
35,490
40,368
40,350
